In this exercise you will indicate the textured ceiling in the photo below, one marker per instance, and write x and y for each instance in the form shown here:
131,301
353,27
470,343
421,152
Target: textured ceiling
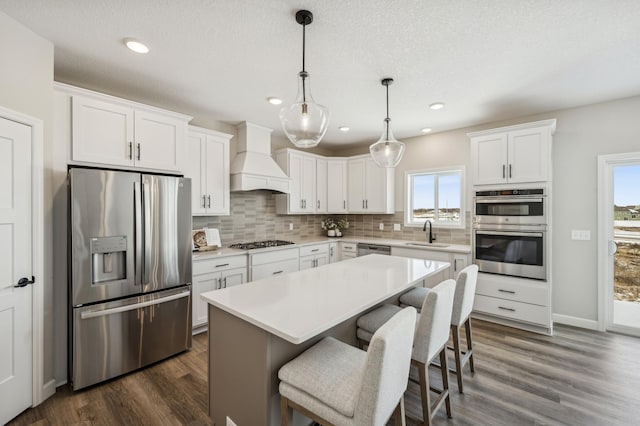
220,59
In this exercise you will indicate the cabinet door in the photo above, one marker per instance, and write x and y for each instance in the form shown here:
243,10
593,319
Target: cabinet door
336,186
217,176
489,157
101,132
308,184
159,141
375,187
528,155
202,284
307,262
295,173
322,260
234,277
333,252
356,185
321,186
195,170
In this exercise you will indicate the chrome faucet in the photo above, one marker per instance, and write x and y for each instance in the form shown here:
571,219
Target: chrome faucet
424,229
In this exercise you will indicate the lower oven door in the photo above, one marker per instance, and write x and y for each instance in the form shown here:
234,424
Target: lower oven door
517,253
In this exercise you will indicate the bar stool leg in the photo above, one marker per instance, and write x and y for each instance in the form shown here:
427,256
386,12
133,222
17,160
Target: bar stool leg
455,331
445,380
285,412
398,414
423,377
467,329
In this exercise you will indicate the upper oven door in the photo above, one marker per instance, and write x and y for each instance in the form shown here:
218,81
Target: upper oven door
517,253
510,210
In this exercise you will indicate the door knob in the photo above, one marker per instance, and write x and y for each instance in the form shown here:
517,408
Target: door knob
24,281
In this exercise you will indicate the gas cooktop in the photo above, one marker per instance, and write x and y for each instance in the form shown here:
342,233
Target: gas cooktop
260,244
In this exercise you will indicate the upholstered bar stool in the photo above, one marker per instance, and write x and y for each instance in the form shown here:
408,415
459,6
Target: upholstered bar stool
431,336
462,307
335,383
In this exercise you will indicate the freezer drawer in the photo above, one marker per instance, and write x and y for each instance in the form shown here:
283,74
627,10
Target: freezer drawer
110,339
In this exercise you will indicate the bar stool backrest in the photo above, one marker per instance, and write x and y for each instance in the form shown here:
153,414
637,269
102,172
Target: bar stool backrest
432,331
464,295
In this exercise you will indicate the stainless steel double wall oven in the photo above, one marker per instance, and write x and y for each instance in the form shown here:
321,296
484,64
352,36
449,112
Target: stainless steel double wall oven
510,232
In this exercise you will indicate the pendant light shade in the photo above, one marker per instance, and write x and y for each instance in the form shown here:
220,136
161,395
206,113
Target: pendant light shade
304,122
387,152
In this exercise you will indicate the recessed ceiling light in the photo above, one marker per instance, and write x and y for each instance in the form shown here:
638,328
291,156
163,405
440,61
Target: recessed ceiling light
426,130
437,105
136,46
274,101
343,128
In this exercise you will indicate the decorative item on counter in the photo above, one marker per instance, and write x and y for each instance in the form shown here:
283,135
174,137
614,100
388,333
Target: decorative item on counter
342,224
205,239
330,226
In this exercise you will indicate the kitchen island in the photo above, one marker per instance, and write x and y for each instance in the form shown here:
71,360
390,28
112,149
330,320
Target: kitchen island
257,327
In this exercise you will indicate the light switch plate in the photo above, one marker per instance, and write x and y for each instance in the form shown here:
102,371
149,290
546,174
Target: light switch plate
291,227
396,226
580,235
381,226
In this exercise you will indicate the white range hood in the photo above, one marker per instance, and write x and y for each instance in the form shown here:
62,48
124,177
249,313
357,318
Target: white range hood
254,167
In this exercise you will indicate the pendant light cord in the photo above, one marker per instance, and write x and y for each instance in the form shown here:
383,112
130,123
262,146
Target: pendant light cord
303,74
386,120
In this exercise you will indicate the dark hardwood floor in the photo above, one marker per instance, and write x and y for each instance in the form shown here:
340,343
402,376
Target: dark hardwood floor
576,377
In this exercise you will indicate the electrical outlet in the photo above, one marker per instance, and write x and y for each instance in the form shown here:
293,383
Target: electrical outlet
396,226
291,227
381,226
581,235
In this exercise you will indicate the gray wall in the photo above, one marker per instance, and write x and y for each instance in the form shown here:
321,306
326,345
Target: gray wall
26,86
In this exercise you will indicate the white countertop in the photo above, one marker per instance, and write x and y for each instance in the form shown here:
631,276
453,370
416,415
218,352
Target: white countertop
450,248
300,305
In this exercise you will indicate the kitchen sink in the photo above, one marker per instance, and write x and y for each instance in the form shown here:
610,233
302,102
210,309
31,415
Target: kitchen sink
428,244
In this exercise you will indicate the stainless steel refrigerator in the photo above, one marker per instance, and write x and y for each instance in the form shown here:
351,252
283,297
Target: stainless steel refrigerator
130,271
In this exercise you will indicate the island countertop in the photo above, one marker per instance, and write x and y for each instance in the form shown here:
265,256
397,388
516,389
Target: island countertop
300,305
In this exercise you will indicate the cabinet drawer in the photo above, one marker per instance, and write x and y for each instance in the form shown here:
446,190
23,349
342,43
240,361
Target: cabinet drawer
515,289
349,247
514,310
274,256
203,266
274,269
314,249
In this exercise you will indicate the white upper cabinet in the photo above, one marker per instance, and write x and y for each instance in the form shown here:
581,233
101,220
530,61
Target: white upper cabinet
337,186
115,132
514,154
321,185
208,168
301,168
370,188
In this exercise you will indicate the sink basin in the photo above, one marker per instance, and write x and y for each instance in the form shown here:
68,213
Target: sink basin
428,244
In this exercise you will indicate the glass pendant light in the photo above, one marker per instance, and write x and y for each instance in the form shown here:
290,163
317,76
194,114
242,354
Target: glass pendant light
387,152
304,122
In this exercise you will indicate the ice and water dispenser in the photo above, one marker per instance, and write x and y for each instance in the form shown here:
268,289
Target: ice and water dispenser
108,259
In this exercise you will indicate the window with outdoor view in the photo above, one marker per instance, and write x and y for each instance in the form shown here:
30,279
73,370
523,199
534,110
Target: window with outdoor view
435,195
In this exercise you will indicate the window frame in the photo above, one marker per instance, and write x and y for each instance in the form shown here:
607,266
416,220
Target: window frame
408,199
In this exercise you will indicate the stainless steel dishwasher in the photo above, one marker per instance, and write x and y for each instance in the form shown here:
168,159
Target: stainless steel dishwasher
364,249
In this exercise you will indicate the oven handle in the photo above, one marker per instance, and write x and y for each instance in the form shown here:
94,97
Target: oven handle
508,233
508,200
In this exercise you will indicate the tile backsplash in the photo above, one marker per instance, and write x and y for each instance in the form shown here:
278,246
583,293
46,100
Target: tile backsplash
253,218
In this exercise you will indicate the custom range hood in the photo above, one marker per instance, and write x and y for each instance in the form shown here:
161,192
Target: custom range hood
254,168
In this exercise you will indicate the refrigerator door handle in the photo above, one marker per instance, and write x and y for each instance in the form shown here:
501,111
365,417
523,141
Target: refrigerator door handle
105,312
146,238
137,243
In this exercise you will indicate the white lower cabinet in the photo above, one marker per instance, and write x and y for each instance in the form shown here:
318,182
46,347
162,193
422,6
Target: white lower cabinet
274,262
518,299
347,250
315,255
333,252
214,274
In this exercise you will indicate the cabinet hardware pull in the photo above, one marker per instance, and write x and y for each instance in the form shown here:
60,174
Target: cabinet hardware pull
509,171
363,204
138,151
314,250
219,284
331,251
221,265
277,272
344,204
225,282
209,201
301,203
506,309
204,203
503,172
130,150
506,291
366,202
318,203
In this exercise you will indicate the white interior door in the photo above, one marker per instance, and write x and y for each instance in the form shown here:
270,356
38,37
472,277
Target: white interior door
619,240
15,263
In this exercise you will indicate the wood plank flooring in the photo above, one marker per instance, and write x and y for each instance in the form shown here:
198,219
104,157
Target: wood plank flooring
576,377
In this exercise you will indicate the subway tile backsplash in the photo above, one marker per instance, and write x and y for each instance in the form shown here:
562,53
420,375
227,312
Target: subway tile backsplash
253,218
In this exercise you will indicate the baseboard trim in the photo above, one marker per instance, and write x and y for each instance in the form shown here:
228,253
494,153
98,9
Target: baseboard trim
576,322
